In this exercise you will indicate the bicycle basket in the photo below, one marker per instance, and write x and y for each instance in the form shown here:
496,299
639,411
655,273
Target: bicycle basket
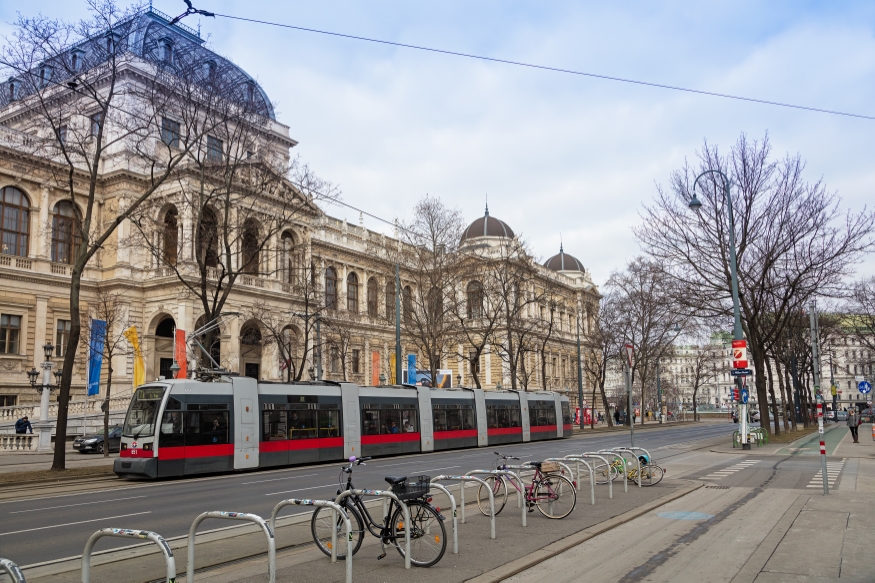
550,467
415,487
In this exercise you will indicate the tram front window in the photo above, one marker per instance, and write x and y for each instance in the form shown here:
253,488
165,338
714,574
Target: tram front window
143,412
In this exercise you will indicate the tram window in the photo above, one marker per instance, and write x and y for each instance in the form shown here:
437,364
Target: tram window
439,418
172,429
566,414
274,426
502,416
541,414
408,420
468,421
329,422
303,424
173,404
370,422
206,427
391,421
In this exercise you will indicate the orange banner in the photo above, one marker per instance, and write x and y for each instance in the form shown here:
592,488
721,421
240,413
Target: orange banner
180,354
375,368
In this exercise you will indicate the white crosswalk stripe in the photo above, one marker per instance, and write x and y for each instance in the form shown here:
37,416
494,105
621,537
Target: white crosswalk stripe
833,470
718,474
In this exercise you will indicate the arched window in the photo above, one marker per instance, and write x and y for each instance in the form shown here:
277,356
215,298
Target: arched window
66,232
170,242
390,300
352,293
208,239
212,341
330,289
407,304
14,222
475,299
250,246
372,297
288,262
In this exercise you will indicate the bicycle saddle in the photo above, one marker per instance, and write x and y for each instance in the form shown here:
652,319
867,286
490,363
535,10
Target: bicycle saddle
396,479
536,464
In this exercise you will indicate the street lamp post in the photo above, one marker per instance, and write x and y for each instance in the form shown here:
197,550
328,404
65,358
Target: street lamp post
45,428
738,334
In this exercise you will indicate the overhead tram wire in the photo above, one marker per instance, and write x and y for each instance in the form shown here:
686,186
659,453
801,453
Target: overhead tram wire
555,69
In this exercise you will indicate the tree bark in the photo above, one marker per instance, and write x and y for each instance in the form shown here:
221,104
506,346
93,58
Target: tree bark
59,458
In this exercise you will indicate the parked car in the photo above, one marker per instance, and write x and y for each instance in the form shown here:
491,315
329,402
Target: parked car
755,416
94,443
841,415
866,416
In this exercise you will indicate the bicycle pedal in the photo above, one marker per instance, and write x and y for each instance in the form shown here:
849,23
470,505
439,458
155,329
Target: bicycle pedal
531,509
383,556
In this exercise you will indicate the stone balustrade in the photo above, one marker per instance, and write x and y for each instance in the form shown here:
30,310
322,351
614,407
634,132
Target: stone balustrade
12,414
19,442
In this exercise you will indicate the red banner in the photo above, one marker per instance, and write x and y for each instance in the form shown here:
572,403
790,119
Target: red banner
180,354
739,354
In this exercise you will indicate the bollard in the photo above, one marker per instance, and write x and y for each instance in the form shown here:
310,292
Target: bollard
404,510
13,570
462,494
335,509
271,543
128,533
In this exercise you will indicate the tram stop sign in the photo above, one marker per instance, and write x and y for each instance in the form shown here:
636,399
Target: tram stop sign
865,387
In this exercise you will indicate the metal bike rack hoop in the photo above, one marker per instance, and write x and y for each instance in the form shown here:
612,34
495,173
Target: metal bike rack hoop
561,461
511,475
576,458
128,533
590,454
618,456
637,461
385,494
335,509
455,520
13,570
462,494
244,516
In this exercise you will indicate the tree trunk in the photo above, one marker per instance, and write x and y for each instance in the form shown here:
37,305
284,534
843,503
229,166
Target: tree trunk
780,374
59,458
106,408
592,414
608,418
695,405
774,400
762,394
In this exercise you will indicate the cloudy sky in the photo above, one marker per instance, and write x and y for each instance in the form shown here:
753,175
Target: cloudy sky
555,153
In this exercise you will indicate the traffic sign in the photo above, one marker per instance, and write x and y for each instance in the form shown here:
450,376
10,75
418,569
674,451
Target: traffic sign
739,354
630,353
865,387
745,395
741,372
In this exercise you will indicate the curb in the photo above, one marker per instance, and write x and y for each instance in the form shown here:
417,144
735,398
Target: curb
573,540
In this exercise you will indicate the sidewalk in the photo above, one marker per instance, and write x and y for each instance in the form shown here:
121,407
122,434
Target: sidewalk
35,461
805,445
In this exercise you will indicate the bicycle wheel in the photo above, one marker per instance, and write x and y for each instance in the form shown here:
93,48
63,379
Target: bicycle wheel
555,496
652,475
428,537
321,525
499,494
604,473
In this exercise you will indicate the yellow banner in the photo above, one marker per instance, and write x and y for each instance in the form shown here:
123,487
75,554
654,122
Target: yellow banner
139,365
391,375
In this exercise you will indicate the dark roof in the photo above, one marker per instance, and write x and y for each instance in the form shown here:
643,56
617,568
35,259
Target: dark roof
487,226
562,261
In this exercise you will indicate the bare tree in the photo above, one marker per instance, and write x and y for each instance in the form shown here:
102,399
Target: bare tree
704,356
861,308
603,344
792,241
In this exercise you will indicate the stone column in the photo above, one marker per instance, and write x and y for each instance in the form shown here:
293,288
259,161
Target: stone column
43,231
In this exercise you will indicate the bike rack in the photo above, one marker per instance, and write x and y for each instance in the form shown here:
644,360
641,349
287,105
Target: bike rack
13,570
462,490
244,516
565,466
616,455
634,449
594,455
637,461
640,465
334,510
512,476
576,459
455,520
385,494
127,533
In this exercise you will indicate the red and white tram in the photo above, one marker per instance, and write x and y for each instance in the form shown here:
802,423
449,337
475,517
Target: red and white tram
182,427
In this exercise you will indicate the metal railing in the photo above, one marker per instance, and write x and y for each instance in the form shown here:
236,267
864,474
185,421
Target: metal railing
13,570
128,533
246,517
464,479
520,491
335,509
385,494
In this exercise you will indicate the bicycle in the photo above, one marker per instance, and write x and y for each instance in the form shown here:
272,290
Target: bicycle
651,474
552,494
428,537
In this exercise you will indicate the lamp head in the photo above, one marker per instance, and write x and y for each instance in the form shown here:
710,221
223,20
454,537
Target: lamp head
58,374
312,373
48,349
32,374
695,203
175,368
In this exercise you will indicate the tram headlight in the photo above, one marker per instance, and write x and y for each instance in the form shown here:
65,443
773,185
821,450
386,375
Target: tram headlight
147,446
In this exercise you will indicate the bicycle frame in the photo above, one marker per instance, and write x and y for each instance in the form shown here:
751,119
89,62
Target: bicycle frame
370,523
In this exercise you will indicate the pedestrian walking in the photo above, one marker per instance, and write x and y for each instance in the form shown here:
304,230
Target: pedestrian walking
617,416
853,423
22,425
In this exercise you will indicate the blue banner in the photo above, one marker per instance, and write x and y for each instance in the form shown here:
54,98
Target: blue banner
95,355
411,369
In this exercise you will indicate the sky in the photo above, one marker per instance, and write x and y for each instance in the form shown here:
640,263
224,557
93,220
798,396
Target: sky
557,155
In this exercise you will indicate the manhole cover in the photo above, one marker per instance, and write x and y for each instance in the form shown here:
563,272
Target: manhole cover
681,515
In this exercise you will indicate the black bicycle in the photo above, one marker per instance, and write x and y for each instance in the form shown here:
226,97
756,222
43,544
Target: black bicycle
428,537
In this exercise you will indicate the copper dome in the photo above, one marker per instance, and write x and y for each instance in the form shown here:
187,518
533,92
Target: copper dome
562,261
487,226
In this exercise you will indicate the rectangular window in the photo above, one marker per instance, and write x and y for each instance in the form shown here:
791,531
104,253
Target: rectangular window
334,359
62,334
96,122
215,149
355,360
10,330
8,400
170,132
62,134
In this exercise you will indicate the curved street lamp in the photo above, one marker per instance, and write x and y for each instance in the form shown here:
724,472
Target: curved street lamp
738,334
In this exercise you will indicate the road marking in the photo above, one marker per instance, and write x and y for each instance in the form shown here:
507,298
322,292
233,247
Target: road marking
71,505
436,469
72,523
300,489
833,470
719,474
278,479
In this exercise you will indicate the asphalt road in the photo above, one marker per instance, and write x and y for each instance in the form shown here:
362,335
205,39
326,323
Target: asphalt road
55,527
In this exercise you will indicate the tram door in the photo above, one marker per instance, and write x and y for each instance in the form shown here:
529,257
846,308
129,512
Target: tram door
245,423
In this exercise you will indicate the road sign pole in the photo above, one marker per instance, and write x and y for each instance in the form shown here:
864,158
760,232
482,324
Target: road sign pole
630,413
815,360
